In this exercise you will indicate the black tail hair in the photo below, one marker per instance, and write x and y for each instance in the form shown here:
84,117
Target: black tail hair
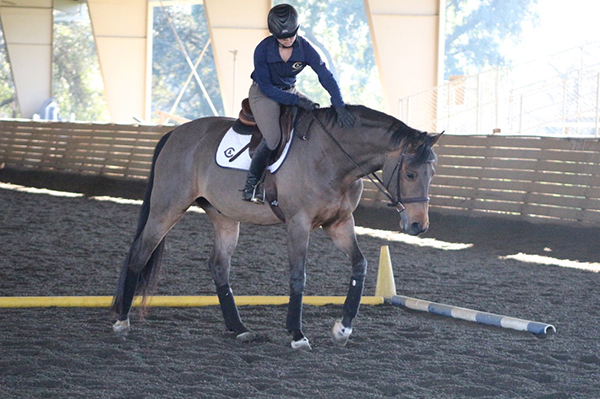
149,274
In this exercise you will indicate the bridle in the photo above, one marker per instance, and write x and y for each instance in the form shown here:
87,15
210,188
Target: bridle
399,202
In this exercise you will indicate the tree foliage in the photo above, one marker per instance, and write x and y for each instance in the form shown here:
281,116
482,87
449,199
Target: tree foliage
77,82
170,69
8,108
477,29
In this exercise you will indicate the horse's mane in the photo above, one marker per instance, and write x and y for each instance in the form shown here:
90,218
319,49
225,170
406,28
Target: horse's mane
412,141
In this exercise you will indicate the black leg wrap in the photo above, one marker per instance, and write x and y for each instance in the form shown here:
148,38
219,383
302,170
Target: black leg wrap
352,302
129,288
294,316
229,309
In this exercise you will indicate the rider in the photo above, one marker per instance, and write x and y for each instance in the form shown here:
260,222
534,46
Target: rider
277,61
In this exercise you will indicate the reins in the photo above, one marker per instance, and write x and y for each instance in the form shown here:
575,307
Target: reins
377,182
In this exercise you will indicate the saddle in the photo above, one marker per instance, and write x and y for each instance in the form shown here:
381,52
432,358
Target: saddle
246,124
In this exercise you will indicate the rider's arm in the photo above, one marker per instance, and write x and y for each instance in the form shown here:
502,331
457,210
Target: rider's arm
325,76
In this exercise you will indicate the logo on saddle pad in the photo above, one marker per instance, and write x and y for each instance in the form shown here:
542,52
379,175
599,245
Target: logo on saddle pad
233,152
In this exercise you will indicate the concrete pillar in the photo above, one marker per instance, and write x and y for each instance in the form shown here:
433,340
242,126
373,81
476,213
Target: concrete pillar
123,43
234,35
408,44
27,27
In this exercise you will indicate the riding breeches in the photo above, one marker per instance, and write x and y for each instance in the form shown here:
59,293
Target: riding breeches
266,113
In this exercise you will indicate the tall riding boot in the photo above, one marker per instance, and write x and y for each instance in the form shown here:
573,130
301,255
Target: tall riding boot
259,163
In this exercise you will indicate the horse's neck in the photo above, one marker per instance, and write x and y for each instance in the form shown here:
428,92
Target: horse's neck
350,155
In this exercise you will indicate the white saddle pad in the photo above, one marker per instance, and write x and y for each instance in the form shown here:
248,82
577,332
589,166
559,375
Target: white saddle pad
228,153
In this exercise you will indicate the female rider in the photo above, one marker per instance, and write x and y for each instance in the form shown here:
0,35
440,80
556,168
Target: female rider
277,61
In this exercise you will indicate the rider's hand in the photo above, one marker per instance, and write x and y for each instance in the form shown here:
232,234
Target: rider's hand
344,117
306,104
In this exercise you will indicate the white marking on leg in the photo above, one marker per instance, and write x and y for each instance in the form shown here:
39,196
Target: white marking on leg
121,326
340,334
302,344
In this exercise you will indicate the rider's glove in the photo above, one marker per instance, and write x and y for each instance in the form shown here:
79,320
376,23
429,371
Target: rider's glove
306,104
344,117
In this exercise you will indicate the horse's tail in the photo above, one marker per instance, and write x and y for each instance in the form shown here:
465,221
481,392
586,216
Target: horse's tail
149,274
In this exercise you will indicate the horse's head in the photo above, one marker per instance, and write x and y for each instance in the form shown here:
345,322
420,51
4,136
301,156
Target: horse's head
407,174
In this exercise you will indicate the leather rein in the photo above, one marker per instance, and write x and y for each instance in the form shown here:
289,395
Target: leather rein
399,202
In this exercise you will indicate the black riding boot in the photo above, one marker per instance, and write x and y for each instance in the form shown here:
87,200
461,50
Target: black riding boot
257,167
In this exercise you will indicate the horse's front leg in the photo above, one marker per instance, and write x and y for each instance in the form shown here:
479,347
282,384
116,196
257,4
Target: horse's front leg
343,235
298,235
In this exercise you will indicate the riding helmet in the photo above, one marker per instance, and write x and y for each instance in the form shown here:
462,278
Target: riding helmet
283,21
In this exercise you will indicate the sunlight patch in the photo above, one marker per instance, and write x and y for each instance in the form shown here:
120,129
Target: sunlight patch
546,260
33,190
118,200
408,239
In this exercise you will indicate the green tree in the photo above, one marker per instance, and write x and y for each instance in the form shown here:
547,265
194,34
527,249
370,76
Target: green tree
8,108
77,82
170,68
476,29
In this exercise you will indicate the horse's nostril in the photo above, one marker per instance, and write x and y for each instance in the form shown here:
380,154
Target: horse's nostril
416,226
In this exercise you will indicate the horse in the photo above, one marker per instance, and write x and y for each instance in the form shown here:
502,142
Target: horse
319,184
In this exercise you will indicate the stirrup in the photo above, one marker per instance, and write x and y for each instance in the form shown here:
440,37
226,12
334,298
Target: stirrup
256,196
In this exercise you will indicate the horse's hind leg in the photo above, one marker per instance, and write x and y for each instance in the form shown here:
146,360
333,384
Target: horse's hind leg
142,264
226,236
343,236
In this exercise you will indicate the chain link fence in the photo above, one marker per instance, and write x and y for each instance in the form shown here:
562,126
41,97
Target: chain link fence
558,96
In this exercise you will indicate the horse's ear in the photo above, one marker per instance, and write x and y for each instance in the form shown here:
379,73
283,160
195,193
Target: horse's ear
416,143
433,138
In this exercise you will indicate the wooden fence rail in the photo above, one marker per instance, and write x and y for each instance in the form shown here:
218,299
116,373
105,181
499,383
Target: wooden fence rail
531,178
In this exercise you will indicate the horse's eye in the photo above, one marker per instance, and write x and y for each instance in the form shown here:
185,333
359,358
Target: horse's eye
410,175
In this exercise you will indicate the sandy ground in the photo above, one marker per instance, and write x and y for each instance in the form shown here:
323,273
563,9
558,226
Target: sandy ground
74,246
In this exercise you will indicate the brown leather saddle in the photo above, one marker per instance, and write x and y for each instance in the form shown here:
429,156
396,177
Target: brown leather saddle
246,124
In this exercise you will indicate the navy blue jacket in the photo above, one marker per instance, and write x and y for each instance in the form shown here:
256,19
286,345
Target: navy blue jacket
271,73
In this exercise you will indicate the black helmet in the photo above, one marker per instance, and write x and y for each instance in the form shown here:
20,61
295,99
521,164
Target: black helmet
283,21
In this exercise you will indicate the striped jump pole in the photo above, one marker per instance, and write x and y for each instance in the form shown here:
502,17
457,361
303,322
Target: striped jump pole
476,316
388,291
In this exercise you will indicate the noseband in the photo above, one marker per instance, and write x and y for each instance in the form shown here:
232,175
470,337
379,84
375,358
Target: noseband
399,202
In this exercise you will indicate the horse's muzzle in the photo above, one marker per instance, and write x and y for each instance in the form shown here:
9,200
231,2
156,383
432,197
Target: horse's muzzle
416,228
415,225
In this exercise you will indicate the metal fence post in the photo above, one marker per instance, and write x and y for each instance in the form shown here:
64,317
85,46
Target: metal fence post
597,103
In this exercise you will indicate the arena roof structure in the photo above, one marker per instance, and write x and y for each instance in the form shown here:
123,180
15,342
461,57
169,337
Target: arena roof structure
407,41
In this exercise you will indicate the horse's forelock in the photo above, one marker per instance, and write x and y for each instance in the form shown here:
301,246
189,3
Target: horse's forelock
423,153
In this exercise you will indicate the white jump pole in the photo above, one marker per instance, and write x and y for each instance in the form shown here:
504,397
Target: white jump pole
388,291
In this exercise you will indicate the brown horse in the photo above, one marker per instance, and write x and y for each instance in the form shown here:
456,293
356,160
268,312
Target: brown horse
318,185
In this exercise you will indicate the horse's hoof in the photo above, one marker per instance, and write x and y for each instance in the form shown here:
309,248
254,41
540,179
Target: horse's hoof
340,334
247,337
121,326
301,344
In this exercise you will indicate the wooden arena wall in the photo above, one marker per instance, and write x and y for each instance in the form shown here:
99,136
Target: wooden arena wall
529,178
